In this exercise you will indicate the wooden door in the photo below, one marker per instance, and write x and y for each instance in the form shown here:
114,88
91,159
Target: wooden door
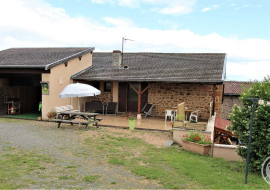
122,96
133,97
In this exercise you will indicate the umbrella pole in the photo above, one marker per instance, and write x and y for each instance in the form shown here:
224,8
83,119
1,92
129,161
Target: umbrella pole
79,112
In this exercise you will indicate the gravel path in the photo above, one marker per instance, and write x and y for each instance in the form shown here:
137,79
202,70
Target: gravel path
66,147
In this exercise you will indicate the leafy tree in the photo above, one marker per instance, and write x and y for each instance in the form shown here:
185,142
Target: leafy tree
241,119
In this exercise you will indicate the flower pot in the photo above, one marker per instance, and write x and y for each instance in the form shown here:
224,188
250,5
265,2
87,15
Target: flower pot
132,124
50,118
178,124
202,149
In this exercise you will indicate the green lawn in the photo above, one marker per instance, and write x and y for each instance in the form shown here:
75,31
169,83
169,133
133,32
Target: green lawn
173,167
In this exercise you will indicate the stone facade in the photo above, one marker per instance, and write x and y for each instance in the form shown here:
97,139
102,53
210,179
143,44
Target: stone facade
103,97
228,103
194,95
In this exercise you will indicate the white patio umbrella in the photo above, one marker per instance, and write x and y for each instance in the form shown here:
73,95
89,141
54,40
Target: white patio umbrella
78,90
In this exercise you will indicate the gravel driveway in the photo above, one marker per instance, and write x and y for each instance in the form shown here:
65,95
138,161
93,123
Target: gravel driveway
65,146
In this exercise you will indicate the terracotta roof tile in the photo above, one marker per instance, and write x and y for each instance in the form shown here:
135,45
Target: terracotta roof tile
234,87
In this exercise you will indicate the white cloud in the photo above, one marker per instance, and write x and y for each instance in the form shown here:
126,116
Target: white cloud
34,23
247,70
171,24
245,6
259,5
232,5
129,3
210,8
206,9
98,1
120,22
173,7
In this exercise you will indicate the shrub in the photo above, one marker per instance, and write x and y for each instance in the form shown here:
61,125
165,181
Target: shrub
241,118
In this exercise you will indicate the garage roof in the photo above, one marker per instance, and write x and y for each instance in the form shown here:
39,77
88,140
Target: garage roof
39,58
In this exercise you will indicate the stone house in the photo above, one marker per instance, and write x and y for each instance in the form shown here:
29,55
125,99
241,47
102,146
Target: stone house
232,90
163,79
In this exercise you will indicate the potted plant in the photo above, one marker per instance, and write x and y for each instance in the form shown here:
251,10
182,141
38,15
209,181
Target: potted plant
196,142
179,121
131,120
51,115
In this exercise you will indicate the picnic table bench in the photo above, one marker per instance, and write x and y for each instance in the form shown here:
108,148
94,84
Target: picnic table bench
87,118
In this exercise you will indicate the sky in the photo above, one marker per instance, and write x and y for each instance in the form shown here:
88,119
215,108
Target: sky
239,28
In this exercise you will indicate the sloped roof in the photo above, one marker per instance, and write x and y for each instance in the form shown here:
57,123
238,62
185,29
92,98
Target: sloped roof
234,87
159,67
42,58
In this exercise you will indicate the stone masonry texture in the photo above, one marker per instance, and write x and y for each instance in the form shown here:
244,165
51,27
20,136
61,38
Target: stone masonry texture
228,103
194,95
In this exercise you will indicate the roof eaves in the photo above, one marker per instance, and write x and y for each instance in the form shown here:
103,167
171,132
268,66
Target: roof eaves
23,66
50,65
224,68
75,75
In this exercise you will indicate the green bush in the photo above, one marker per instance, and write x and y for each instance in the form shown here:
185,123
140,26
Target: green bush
241,119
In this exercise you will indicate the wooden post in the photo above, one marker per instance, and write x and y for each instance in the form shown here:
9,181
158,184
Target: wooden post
139,97
213,143
214,99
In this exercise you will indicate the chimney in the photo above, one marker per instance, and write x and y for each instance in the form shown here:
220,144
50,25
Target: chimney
116,64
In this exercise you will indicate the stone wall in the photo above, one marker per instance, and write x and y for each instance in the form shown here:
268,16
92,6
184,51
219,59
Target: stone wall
103,97
194,95
228,103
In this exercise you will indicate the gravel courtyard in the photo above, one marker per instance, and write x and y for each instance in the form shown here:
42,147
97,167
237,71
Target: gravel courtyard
72,157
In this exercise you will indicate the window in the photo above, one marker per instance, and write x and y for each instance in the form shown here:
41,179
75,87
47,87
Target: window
107,86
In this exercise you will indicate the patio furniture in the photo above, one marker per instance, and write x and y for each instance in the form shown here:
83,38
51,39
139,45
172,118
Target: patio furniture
64,108
169,113
111,107
94,106
181,109
147,110
13,107
194,114
88,118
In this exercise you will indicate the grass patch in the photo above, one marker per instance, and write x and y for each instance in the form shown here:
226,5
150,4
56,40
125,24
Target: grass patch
65,177
117,161
91,178
173,167
9,120
15,165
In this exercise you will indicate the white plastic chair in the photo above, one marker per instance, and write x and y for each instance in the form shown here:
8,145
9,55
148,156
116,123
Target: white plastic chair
169,113
194,114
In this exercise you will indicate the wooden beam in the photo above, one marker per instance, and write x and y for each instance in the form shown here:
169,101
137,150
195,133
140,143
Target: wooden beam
145,89
133,88
214,99
206,90
139,97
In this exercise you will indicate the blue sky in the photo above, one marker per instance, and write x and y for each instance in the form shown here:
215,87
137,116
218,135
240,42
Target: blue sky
239,28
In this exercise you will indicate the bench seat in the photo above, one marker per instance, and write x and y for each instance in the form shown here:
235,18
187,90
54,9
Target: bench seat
83,122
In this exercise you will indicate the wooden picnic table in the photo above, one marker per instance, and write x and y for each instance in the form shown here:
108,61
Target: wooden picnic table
70,116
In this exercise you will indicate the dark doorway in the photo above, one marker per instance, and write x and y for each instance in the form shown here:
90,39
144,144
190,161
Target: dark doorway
122,97
128,97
